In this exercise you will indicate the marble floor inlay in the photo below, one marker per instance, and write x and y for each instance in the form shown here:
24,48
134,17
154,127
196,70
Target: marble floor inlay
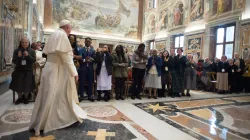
218,118
204,116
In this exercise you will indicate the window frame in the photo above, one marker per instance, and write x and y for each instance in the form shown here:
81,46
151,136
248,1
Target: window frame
224,42
154,4
179,35
152,41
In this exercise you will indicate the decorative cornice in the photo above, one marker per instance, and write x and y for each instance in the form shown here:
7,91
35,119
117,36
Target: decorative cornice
245,21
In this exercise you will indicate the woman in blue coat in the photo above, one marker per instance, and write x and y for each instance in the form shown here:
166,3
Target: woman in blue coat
153,79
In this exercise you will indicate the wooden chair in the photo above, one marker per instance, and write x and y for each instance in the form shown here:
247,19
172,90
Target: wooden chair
211,79
129,81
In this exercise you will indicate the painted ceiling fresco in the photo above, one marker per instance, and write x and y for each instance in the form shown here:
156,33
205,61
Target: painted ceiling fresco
108,17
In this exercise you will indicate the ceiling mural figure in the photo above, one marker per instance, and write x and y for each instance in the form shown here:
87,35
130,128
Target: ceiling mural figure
108,17
163,20
222,6
240,4
178,14
196,9
150,24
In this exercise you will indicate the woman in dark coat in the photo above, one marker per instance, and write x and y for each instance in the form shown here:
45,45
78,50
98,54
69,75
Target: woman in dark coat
232,76
190,75
180,63
172,72
104,72
22,78
165,74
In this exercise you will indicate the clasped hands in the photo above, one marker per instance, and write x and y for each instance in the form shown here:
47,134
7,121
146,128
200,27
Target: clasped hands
25,53
122,65
89,59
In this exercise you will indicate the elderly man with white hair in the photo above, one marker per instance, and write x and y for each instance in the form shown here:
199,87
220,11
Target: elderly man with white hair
57,93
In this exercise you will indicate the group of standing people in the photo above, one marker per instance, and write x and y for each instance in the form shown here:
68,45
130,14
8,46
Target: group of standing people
232,74
168,74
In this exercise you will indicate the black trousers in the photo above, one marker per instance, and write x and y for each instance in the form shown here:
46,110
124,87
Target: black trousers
138,76
247,84
120,86
232,82
161,92
239,82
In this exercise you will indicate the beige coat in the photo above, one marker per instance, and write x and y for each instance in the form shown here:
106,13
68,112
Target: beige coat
119,71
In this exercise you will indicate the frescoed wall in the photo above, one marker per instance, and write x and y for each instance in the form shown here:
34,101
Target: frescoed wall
160,45
178,14
245,41
196,9
162,20
150,24
108,17
195,46
222,6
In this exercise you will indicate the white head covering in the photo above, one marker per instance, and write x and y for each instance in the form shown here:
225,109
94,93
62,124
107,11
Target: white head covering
64,22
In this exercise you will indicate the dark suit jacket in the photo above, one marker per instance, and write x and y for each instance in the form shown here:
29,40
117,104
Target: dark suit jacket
242,65
84,53
180,64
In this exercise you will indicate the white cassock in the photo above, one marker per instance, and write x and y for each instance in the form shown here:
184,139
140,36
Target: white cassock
41,61
56,103
103,79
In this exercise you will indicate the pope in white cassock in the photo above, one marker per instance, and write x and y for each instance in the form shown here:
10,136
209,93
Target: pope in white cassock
56,103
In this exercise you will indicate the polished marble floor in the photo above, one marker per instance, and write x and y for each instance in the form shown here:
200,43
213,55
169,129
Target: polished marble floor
204,116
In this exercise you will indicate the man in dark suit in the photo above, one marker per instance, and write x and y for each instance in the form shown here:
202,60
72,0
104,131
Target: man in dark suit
86,69
239,78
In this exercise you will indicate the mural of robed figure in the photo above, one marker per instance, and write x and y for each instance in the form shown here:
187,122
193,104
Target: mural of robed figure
86,70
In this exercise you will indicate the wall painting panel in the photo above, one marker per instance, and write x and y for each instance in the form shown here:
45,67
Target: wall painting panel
112,17
162,20
178,17
196,9
195,45
222,6
245,41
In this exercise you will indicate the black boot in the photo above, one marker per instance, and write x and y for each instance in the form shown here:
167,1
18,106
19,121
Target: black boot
177,94
106,96
99,98
159,91
25,101
117,96
18,101
122,95
188,94
169,93
182,94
